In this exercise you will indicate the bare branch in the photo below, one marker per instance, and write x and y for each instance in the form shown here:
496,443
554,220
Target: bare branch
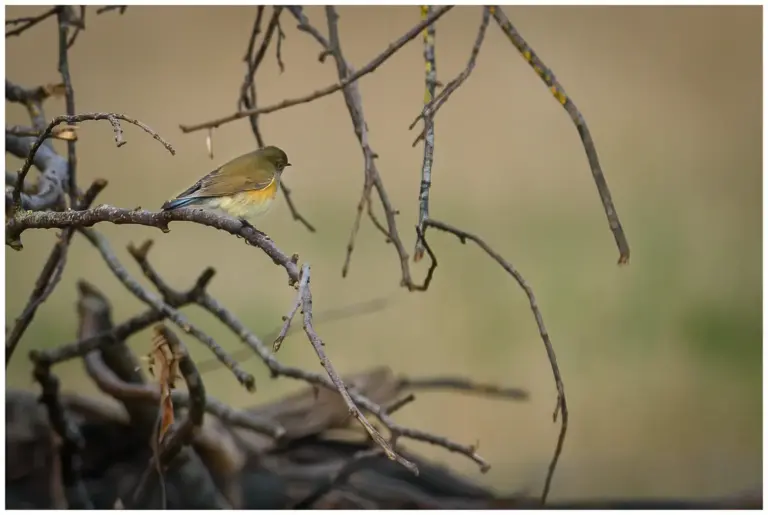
64,15
71,120
78,28
438,101
109,383
72,442
429,129
28,22
120,8
277,369
317,343
172,314
104,213
49,277
561,403
463,385
375,63
289,317
353,100
558,92
247,98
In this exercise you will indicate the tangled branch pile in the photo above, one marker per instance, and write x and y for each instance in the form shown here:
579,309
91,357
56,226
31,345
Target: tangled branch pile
203,451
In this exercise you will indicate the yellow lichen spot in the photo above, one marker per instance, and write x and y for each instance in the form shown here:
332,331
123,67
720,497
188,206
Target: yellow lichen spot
527,55
558,94
492,9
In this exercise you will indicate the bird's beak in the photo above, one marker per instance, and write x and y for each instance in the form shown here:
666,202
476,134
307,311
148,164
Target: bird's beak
287,164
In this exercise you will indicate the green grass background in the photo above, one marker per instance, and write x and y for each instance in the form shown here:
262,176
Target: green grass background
661,359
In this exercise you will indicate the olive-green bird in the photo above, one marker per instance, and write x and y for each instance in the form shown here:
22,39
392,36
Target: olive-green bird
243,188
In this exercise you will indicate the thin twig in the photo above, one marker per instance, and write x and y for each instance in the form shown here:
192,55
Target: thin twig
437,102
463,385
49,276
375,63
558,92
287,319
120,8
78,28
561,406
72,120
247,97
317,343
292,207
63,15
279,47
28,22
430,82
353,101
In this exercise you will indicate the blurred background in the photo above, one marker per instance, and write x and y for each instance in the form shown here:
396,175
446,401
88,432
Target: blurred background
661,359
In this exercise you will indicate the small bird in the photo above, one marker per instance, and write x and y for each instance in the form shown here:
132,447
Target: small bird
243,188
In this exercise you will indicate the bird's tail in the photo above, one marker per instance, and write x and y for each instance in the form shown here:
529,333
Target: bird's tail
177,202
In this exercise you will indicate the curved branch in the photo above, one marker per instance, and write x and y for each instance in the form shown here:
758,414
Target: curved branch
561,406
111,117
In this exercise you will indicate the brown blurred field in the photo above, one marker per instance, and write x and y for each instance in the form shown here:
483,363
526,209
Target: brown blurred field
661,359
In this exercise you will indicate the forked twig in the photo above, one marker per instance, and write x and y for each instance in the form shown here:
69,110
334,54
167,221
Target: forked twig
375,63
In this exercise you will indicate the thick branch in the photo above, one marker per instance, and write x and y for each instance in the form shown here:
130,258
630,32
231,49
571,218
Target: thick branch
72,442
104,213
53,177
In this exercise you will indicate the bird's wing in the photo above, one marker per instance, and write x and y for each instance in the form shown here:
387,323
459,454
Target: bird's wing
218,184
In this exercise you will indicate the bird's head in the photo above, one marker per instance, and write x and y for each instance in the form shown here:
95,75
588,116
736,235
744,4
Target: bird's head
276,157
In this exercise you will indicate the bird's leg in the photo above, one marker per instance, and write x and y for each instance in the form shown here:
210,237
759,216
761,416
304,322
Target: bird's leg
248,224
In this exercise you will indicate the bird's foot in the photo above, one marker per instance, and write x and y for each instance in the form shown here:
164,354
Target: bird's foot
248,224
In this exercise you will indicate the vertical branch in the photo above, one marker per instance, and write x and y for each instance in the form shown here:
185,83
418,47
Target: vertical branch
72,442
578,120
64,14
429,127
